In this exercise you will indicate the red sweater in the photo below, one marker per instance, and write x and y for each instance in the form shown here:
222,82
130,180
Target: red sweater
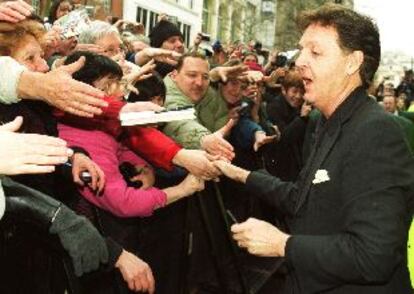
148,142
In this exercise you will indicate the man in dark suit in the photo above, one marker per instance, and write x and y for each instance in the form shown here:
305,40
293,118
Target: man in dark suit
349,212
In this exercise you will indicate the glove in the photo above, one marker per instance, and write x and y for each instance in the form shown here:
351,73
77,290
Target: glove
81,240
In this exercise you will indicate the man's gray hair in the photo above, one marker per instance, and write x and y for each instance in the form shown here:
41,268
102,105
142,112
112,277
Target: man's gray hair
96,30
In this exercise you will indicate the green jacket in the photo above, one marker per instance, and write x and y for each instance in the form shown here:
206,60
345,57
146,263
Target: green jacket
209,112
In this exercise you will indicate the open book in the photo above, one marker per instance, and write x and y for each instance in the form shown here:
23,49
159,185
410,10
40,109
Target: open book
152,117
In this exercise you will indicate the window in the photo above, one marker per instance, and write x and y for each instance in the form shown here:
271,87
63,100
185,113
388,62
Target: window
153,19
142,16
206,17
186,30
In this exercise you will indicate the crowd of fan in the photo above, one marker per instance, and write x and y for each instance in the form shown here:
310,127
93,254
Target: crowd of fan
249,107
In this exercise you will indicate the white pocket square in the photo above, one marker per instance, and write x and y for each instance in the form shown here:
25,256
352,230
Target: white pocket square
321,176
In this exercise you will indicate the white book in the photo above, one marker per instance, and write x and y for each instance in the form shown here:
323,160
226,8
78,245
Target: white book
152,117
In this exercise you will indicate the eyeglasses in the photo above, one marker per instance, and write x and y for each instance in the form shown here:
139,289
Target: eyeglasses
112,51
114,86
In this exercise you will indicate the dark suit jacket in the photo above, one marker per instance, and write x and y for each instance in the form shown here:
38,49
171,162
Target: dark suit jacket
349,233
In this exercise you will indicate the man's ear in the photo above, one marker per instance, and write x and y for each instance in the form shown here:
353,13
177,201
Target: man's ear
173,74
355,60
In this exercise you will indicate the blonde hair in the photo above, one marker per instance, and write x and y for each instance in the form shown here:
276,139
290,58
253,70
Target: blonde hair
12,34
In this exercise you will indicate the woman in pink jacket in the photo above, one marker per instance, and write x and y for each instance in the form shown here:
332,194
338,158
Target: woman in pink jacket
108,153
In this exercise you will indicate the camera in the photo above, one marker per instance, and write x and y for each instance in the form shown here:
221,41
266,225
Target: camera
86,177
281,60
129,171
205,37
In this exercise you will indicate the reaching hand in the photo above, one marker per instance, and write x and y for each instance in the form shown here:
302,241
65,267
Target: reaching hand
260,238
90,47
198,163
231,171
262,139
136,273
15,11
215,143
139,74
158,54
224,73
29,153
190,185
253,76
57,88
272,80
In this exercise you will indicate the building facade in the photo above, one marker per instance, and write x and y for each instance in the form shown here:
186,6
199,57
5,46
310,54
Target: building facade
238,20
286,33
185,13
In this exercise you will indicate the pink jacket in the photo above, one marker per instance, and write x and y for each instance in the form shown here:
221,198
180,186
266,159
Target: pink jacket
117,197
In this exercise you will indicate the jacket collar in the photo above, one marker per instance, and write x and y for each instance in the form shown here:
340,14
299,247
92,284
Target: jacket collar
328,131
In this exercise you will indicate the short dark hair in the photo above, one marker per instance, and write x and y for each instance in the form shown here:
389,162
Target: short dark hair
293,79
96,67
355,32
187,55
149,88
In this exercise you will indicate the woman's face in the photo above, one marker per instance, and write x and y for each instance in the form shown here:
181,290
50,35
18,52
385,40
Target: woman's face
30,54
232,91
64,8
111,44
111,86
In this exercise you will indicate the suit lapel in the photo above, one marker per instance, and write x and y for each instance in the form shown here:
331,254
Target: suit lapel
320,152
326,140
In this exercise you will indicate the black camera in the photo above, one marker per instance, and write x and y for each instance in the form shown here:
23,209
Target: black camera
129,171
280,61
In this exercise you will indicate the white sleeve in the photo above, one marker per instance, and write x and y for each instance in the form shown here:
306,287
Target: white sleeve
10,71
2,201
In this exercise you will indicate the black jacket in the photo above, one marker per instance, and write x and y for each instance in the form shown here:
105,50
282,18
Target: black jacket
349,231
284,158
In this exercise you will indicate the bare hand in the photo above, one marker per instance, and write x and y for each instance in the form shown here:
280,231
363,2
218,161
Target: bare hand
139,74
231,171
57,88
29,153
215,143
262,139
90,47
305,109
272,80
198,163
190,185
136,273
50,41
260,238
15,11
252,76
158,54
82,163
224,73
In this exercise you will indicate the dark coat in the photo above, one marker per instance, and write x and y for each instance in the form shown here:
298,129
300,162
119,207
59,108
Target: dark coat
284,158
349,233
